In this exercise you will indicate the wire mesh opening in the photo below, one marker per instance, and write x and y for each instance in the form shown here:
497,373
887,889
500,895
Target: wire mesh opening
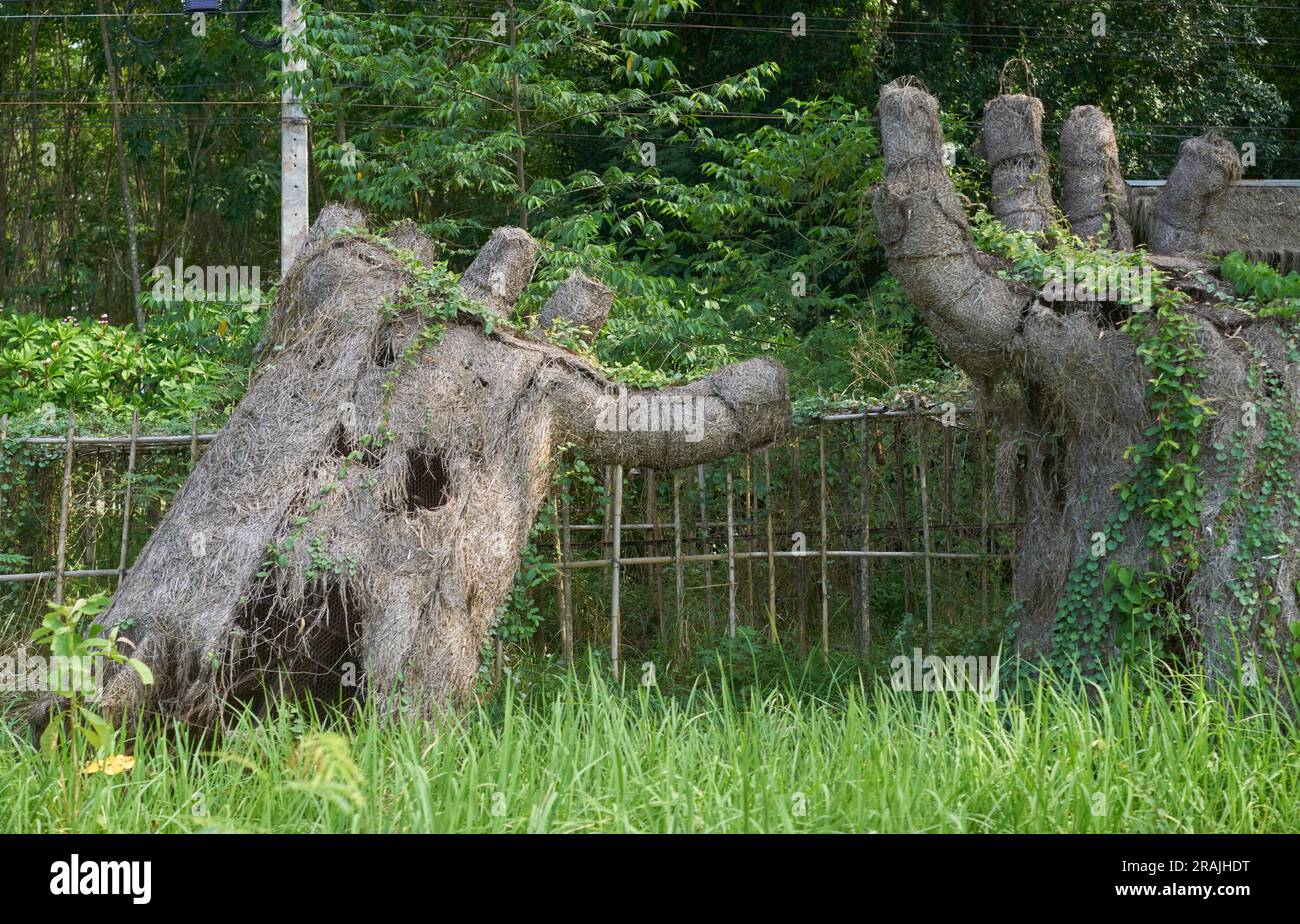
427,485
311,645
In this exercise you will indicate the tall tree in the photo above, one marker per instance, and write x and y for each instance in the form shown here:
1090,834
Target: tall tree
123,175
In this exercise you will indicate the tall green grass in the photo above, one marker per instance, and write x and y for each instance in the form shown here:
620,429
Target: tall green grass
575,753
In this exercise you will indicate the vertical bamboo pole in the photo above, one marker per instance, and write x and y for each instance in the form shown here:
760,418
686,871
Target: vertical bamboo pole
771,546
566,591
904,524
615,568
679,578
1000,523
984,520
919,422
657,571
126,501
749,532
864,566
949,515
91,539
731,559
607,513
847,515
801,573
194,440
704,542
128,205
61,555
821,495
949,512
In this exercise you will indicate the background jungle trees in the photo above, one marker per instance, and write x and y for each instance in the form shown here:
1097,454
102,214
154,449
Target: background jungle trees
743,230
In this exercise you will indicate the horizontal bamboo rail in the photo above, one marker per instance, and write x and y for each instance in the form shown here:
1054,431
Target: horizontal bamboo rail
46,575
141,442
762,553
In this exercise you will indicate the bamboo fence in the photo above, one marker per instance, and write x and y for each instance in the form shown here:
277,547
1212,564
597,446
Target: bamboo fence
750,534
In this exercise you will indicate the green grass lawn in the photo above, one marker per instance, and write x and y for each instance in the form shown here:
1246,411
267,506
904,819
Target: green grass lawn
568,753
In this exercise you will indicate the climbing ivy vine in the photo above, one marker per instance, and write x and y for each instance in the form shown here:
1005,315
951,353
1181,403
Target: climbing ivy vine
1104,601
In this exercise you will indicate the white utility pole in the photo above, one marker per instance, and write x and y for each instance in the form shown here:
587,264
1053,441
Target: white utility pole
293,149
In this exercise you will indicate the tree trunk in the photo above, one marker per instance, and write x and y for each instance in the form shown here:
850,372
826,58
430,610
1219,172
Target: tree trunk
1066,386
133,252
358,522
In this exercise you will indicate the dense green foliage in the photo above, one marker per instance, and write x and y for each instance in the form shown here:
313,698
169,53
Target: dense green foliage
704,160
200,133
193,359
1265,289
1161,70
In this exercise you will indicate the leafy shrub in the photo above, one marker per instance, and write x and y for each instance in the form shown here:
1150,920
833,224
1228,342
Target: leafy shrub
192,359
1276,294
